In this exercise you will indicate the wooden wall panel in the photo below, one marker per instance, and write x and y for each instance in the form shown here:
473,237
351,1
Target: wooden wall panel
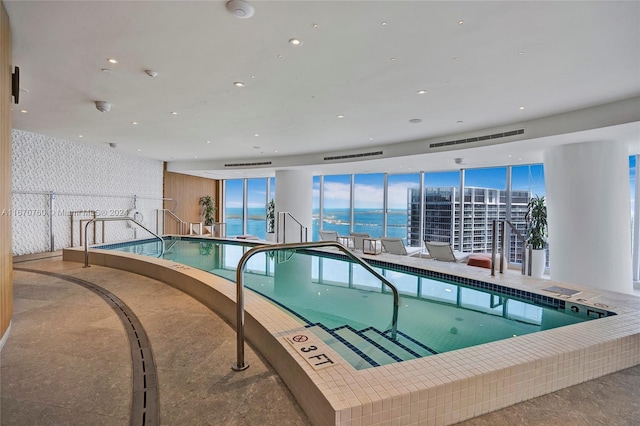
187,190
6,268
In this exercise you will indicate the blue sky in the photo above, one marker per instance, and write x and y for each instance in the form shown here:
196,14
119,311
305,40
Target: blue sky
369,186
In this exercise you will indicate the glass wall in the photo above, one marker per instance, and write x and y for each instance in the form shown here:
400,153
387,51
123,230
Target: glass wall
368,204
441,208
485,199
526,182
233,206
400,190
256,208
336,214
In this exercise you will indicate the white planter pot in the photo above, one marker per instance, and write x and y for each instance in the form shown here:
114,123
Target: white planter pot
538,260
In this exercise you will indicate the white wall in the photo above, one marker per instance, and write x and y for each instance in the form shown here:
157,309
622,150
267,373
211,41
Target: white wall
589,214
83,177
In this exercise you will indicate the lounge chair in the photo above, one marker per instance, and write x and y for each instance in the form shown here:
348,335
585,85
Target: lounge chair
444,252
396,246
328,236
346,241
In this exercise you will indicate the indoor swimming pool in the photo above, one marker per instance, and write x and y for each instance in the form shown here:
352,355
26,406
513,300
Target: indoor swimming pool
351,310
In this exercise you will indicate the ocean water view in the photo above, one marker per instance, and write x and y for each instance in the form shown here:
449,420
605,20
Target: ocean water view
364,220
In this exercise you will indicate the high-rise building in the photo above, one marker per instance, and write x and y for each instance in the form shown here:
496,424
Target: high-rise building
480,207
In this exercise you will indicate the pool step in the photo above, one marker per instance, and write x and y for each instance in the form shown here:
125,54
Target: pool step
369,347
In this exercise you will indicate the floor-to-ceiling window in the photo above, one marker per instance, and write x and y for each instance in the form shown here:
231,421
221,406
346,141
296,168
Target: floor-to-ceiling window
368,204
257,207
233,206
526,182
485,193
400,190
336,200
441,207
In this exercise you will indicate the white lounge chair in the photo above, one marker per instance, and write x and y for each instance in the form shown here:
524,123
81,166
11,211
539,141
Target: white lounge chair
396,246
328,236
346,241
444,252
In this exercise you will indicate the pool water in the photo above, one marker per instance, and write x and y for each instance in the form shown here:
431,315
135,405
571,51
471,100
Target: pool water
351,310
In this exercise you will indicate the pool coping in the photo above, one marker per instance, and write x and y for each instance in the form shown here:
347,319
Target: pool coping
440,389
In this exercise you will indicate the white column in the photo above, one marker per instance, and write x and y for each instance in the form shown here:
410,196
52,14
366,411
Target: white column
294,194
589,213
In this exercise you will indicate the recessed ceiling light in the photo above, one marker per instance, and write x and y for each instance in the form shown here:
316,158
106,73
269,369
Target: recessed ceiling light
80,136
253,76
295,42
520,53
339,116
521,107
24,111
174,113
195,156
421,92
139,150
112,60
238,83
370,139
415,120
135,123
106,70
316,26
256,134
460,22
393,59
510,155
279,56
275,150
208,141
383,23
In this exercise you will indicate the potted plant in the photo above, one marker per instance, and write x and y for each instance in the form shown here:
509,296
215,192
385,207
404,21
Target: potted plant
208,211
271,221
536,219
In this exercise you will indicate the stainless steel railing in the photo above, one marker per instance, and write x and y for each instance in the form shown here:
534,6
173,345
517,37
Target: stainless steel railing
282,218
240,362
182,225
112,219
526,259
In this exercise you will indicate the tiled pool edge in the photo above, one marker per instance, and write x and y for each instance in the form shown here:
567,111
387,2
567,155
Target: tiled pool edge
442,389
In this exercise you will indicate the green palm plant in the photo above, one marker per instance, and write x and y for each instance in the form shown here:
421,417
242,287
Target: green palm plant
271,216
208,210
536,219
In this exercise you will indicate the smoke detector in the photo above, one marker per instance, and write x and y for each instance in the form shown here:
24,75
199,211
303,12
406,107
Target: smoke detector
458,160
103,106
113,145
151,73
240,9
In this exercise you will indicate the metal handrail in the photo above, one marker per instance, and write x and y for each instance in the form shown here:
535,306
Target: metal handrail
110,219
284,227
240,363
181,223
526,260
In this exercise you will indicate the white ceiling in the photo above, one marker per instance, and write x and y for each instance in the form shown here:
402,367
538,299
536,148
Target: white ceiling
548,57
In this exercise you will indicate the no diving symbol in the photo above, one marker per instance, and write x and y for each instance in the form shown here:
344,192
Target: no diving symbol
299,338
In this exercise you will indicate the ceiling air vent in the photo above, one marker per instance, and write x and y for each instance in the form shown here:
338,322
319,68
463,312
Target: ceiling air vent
362,154
261,163
478,138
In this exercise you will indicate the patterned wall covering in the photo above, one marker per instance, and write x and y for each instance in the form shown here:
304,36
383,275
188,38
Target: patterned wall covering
82,178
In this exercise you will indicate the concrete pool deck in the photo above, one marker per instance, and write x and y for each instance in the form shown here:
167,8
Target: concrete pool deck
447,389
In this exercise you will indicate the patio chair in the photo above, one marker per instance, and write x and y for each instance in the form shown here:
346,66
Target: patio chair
396,246
328,236
444,252
346,241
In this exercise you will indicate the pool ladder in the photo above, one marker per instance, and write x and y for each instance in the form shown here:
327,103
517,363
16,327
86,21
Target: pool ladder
113,219
240,362
500,228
